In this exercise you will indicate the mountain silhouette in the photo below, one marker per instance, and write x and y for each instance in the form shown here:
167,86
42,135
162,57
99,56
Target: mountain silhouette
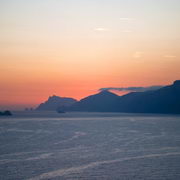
164,100
101,102
55,102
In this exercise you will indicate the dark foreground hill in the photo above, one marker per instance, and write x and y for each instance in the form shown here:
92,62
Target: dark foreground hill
164,100
55,102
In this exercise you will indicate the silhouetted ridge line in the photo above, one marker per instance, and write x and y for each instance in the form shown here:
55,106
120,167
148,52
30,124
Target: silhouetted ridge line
55,102
100,102
164,100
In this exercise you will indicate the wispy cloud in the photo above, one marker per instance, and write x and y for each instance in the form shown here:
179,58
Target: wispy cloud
127,31
101,29
126,19
169,56
132,89
138,54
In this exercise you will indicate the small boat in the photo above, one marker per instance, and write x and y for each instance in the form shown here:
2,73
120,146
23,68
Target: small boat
60,111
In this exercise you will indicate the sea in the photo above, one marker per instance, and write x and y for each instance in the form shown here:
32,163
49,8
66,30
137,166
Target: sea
89,146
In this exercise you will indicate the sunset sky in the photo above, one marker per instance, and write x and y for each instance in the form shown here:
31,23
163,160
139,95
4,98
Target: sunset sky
74,47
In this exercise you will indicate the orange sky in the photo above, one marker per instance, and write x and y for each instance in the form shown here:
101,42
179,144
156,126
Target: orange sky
73,48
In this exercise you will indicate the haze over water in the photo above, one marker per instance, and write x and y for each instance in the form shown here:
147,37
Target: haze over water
90,146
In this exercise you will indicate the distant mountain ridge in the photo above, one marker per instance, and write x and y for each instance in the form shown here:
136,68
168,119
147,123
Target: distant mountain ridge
164,100
99,102
55,102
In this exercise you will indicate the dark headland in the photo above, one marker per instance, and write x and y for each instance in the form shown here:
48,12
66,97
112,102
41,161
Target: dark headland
5,113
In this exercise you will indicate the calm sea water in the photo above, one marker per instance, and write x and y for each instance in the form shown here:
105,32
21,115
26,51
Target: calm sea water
89,146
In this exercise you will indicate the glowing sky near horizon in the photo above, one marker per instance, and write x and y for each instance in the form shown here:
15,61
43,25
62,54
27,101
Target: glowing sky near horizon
74,47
